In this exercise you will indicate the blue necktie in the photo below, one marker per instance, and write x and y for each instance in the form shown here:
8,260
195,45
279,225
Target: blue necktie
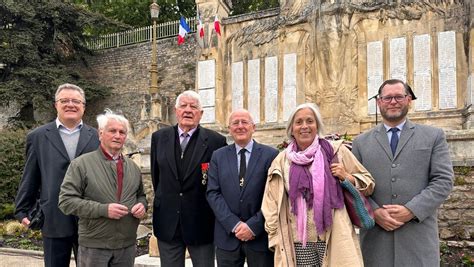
394,140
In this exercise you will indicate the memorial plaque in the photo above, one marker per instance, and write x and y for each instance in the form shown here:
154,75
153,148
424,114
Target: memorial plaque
271,89
422,71
207,88
289,85
398,59
209,115
237,85
206,74
374,72
208,97
447,69
253,99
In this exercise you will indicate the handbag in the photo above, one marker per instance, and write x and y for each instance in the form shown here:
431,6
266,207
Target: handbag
357,206
36,217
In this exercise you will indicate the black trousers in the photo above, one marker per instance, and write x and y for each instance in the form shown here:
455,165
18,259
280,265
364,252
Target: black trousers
57,251
172,253
236,258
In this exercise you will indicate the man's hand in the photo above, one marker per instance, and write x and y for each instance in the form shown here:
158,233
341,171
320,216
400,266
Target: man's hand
399,212
138,211
25,221
243,233
383,218
117,211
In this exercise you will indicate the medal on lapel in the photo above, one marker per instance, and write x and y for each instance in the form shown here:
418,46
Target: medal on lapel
204,169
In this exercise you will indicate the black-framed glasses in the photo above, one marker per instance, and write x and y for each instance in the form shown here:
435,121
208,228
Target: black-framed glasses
65,101
388,99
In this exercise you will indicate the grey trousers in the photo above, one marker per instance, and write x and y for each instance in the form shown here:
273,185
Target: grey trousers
98,257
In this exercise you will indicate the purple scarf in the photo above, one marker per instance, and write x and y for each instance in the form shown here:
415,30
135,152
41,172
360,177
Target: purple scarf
312,186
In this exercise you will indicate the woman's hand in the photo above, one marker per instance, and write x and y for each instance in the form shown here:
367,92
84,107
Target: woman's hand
338,170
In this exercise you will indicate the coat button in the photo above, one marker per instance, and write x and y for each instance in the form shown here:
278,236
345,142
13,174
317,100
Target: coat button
394,196
393,179
177,211
180,194
394,165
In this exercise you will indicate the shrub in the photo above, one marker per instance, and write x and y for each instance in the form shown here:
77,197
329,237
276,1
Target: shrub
12,149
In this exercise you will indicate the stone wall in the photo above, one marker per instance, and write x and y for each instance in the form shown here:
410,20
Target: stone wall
127,71
456,215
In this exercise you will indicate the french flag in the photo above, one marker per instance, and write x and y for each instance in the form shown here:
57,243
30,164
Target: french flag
217,25
183,30
200,28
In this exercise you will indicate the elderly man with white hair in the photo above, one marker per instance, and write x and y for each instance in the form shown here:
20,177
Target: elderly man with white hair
105,190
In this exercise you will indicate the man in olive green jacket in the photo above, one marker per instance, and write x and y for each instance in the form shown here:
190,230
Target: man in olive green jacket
105,190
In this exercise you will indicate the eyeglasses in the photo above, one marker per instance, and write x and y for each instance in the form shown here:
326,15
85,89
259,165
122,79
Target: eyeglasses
65,101
388,99
237,122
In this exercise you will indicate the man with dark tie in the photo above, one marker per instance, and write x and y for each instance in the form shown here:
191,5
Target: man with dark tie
413,175
180,157
237,176
49,150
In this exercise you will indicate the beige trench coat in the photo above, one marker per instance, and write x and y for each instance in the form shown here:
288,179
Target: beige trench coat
343,247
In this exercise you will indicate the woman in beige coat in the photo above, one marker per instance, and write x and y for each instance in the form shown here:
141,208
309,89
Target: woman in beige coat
303,205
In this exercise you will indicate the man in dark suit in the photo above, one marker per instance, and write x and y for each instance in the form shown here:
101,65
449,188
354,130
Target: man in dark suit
237,176
413,176
180,155
49,150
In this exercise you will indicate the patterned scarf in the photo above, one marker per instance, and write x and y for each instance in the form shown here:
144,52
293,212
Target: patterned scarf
312,186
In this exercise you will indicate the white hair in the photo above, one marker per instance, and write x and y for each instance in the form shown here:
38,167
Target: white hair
103,119
191,94
319,120
241,110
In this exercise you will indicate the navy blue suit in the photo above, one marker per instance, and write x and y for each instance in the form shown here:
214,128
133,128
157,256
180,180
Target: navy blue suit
231,203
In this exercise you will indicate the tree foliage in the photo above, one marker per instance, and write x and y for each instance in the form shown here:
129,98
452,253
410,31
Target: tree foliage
136,13
246,6
38,43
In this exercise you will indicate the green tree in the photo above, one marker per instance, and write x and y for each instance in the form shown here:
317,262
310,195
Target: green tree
39,41
136,13
246,6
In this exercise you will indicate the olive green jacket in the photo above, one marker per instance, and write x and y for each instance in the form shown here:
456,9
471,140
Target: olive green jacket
86,192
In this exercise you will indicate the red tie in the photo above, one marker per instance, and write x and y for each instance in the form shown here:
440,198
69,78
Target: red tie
119,165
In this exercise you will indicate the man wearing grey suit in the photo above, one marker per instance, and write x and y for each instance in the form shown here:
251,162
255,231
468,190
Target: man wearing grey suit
49,150
413,174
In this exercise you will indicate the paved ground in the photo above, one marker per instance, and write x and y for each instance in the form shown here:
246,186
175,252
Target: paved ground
25,258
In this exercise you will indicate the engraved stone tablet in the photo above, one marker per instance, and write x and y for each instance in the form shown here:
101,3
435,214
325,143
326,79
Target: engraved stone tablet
254,89
207,88
422,71
206,74
447,69
289,84
374,72
271,89
237,85
398,59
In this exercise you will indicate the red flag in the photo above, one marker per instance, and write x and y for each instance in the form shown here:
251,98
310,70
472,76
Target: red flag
200,28
217,25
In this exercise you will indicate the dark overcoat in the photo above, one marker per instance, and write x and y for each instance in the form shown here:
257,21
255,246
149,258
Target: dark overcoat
46,164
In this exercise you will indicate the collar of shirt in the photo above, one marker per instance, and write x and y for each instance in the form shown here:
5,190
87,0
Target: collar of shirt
249,147
109,156
400,126
64,129
190,133
389,133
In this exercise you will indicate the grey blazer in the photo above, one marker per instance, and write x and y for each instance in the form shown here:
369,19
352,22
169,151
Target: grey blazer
46,164
419,176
